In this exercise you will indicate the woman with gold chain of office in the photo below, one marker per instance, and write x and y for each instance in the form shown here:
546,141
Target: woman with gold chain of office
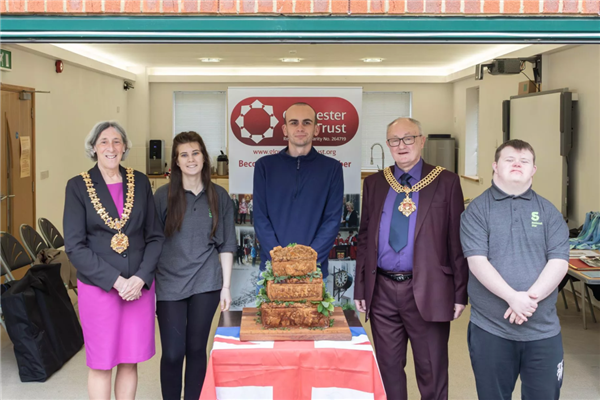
114,240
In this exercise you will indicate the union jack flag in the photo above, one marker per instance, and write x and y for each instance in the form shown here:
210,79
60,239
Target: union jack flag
294,370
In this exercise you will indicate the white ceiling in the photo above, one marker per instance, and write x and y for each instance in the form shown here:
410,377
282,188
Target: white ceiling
422,59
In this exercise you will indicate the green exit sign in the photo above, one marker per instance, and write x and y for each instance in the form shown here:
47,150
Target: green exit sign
5,59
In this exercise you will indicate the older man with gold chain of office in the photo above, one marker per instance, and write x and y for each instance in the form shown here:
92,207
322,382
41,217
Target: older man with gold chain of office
411,273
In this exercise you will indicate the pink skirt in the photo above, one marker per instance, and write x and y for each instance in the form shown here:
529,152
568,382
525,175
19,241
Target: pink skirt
116,331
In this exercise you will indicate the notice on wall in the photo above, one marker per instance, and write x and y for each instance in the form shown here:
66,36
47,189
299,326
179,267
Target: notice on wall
25,158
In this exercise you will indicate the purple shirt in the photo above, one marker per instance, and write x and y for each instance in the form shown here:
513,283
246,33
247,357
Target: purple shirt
116,192
388,259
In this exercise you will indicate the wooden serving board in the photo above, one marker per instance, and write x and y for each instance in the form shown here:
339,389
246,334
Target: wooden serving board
251,330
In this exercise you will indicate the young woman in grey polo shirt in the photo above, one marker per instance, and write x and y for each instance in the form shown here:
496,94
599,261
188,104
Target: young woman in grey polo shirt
194,270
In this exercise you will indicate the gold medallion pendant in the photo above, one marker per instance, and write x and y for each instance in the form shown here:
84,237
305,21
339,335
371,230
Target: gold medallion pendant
120,241
408,206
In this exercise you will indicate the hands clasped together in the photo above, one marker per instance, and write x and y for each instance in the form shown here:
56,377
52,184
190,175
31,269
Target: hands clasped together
521,306
129,289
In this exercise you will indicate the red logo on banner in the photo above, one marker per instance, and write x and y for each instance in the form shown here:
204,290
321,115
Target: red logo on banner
257,121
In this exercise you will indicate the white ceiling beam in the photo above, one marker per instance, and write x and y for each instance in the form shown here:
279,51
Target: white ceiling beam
69,57
295,79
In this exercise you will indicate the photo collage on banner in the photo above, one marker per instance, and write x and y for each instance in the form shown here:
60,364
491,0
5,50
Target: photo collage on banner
255,119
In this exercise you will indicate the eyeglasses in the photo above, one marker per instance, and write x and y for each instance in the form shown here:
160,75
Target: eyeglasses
408,140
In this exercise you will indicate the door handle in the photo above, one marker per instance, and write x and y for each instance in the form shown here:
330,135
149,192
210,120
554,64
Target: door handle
2,198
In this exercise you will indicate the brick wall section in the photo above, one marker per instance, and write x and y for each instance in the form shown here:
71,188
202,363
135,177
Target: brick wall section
31,6
454,7
591,6
304,7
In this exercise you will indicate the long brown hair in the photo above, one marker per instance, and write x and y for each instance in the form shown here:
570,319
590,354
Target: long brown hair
177,203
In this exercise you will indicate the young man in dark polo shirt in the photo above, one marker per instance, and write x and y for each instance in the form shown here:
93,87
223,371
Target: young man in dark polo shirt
516,244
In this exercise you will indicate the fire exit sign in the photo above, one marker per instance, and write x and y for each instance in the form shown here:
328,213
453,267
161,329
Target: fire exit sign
5,59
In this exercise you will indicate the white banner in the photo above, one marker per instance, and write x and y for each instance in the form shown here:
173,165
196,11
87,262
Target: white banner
255,128
255,116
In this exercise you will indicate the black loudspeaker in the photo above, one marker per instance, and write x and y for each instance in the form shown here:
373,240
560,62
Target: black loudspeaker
156,157
156,149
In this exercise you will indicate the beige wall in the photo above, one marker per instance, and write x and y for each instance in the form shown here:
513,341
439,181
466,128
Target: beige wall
79,98
432,103
492,91
583,77
138,121
576,68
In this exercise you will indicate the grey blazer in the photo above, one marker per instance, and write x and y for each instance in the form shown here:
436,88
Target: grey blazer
87,237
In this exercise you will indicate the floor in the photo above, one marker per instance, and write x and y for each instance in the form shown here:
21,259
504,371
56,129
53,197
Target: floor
582,366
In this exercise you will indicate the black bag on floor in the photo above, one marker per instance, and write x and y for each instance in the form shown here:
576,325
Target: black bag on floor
41,322
4,287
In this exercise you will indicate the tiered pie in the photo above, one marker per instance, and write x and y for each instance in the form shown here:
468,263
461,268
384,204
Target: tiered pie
294,290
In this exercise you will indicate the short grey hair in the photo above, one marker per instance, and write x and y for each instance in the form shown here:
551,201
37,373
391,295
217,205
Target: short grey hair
92,138
412,120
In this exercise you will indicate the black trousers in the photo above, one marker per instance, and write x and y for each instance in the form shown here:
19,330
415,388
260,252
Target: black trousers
498,362
184,328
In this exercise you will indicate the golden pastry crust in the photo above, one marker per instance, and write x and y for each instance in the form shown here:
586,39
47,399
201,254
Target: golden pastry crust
297,252
296,289
294,315
293,268
296,260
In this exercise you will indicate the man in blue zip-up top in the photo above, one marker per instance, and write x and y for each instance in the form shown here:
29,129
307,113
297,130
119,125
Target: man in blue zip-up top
297,192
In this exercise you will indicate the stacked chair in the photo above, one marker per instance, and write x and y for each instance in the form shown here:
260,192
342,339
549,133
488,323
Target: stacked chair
33,241
13,256
49,241
51,235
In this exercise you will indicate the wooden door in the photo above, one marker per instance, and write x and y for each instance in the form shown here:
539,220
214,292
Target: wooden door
3,175
17,170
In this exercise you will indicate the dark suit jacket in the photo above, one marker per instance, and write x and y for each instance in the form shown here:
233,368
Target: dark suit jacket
87,237
352,222
440,271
